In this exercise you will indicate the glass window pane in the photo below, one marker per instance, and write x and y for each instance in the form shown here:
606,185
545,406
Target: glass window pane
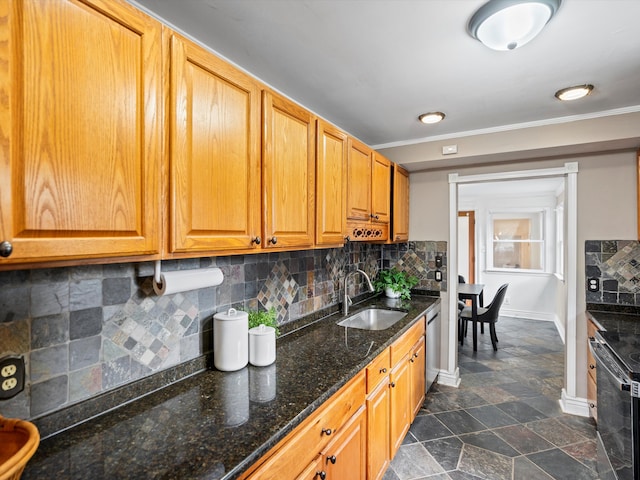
525,255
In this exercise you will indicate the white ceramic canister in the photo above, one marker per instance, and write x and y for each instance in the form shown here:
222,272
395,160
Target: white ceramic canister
262,345
230,340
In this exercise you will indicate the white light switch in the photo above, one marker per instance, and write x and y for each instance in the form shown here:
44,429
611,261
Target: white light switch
449,149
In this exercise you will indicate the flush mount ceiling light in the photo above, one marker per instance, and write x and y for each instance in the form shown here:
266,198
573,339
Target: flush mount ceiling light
509,24
431,117
574,93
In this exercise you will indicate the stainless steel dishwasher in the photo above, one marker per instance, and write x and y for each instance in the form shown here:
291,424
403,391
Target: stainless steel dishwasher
432,368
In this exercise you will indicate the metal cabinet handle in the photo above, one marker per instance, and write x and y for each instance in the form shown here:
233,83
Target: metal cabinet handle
347,238
322,475
331,459
273,240
416,355
5,249
412,360
393,384
592,366
383,370
375,217
327,431
592,405
256,240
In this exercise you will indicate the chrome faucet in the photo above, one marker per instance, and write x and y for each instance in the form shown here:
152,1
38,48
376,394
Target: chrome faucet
347,300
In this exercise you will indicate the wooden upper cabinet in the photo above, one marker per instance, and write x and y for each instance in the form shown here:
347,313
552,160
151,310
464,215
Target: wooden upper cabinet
331,184
381,189
214,153
400,205
288,172
359,181
80,130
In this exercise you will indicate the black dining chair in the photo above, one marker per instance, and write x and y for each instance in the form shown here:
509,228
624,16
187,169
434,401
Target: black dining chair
487,314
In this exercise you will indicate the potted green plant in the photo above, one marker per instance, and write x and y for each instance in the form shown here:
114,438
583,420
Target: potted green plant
262,317
395,283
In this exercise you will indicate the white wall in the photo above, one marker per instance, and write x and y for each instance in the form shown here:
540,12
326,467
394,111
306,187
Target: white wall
529,295
607,200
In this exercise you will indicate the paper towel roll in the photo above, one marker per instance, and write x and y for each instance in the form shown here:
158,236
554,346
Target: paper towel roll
183,280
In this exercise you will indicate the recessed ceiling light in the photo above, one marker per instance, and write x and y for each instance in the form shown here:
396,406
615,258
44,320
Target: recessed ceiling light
431,117
574,93
509,24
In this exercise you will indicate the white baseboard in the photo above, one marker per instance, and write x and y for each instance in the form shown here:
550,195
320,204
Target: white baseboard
449,379
560,328
544,316
574,405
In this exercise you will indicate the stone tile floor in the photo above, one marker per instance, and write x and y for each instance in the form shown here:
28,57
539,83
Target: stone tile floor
504,422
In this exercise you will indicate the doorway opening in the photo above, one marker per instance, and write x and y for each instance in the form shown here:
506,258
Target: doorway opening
568,277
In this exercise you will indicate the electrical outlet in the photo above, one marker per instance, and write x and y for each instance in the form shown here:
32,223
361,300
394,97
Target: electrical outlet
438,276
11,377
593,284
9,384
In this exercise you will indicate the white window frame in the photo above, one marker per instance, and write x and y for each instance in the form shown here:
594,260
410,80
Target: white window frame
519,213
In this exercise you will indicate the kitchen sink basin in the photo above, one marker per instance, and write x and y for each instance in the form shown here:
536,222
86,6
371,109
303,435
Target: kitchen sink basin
372,319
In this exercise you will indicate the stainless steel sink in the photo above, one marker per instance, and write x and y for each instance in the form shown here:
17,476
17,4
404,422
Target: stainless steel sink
372,319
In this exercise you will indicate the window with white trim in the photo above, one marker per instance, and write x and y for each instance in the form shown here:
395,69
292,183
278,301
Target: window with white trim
517,241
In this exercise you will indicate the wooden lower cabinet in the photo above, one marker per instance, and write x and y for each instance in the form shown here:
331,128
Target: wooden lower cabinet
293,455
417,367
400,403
378,419
592,386
345,458
368,418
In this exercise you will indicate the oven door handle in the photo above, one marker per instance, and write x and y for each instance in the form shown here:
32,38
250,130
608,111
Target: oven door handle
607,364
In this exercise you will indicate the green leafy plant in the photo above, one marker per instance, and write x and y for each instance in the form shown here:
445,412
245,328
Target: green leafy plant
266,318
396,280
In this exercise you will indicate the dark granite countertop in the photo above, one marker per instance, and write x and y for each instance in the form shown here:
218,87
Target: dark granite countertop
621,332
214,425
612,320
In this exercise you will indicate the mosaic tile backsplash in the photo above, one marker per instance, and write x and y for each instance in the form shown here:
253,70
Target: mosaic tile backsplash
616,266
87,330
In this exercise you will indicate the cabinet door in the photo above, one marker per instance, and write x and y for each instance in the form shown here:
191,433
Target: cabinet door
400,217
288,173
381,189
345,457
331,185
378,431
215,153
400,403
417,367
80,130
358,181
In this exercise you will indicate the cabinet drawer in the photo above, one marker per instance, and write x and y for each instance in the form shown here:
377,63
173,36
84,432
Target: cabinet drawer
378,369
403,345
308,440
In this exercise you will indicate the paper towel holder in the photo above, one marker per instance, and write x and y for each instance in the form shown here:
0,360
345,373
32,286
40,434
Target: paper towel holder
183,280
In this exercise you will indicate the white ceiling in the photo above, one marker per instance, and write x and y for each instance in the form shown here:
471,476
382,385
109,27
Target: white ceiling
372,66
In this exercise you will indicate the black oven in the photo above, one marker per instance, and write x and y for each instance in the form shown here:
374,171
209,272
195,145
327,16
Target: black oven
618,405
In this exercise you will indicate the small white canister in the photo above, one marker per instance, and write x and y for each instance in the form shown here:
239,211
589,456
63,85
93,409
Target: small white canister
230,340
262,345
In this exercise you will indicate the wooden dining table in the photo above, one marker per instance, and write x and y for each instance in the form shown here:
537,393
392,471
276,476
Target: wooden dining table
473,292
